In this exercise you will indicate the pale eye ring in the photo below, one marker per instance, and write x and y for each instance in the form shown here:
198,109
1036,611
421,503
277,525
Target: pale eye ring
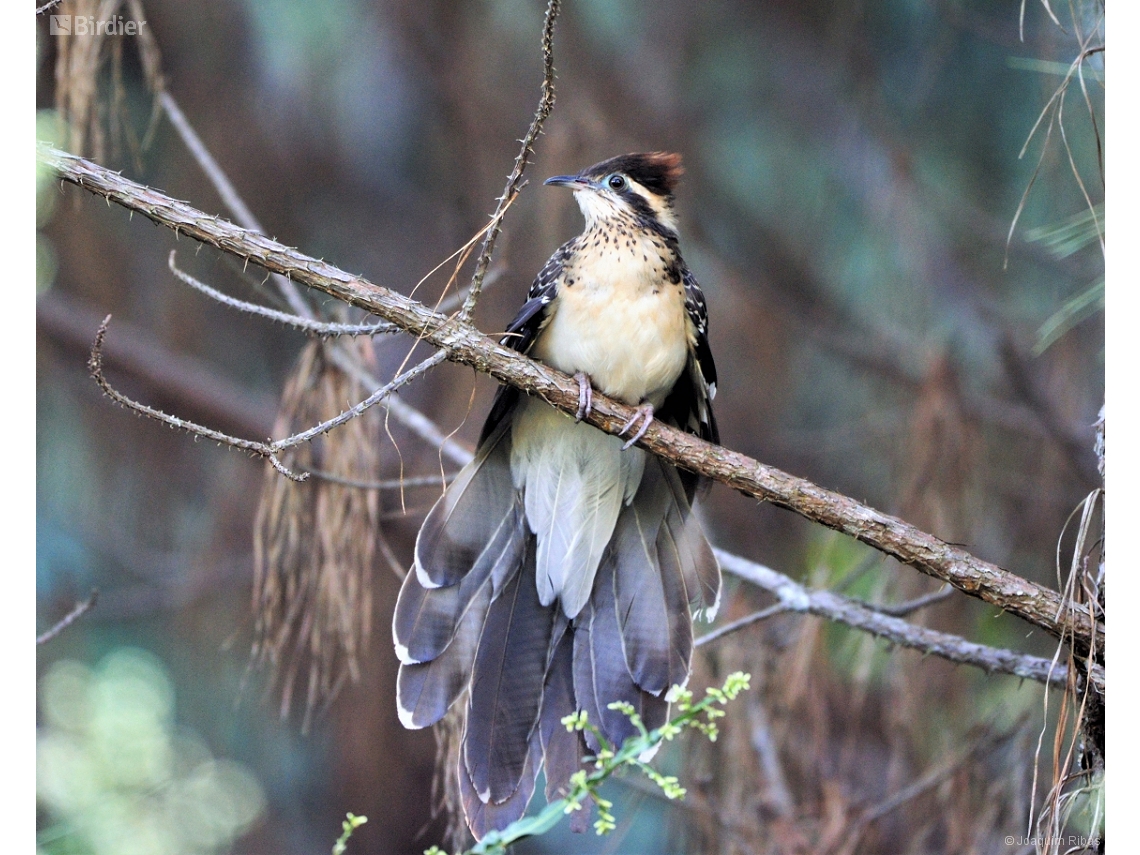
616,181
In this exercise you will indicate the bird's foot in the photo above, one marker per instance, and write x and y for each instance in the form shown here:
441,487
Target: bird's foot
644,415
585,396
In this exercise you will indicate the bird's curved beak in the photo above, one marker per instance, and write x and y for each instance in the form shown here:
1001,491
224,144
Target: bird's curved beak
574,181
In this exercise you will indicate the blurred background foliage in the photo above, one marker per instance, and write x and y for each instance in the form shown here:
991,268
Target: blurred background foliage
121,777
853,171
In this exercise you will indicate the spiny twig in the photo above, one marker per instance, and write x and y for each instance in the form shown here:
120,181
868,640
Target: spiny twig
406,414
269,450
912,606
795,597
321,329
515,180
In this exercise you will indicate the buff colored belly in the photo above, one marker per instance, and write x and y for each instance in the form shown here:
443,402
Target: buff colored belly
633,343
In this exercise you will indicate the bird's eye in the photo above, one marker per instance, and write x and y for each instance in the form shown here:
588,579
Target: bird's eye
616,181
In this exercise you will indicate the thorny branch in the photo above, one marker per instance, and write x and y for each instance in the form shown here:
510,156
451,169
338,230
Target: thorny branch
269,450
307,325
911,606
465,345
515,182
795,597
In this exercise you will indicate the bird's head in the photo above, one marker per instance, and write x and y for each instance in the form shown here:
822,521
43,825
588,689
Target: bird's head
638,186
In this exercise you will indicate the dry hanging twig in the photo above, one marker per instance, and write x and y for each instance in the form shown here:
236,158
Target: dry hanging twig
314,546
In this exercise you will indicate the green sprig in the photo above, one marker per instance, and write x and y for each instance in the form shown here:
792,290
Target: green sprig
584,785
349,825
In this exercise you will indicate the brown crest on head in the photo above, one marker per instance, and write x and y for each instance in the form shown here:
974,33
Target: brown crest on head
656,171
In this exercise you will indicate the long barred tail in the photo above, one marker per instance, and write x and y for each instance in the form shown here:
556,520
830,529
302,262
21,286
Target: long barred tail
469,619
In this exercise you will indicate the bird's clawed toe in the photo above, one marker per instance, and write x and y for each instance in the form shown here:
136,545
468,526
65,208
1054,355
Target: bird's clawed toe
644,415
585,396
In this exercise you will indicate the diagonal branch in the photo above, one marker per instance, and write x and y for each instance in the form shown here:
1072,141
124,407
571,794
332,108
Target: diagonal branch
795,597
467,346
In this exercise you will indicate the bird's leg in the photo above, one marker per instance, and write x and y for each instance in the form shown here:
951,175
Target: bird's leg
585,396
644,414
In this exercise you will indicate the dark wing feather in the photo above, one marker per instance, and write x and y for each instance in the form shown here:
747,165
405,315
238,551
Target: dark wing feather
459,529
563,749
699,314
507,686
426,690
425,619
652,603
689,404
482,816
600,673
682,548
532,316
471,544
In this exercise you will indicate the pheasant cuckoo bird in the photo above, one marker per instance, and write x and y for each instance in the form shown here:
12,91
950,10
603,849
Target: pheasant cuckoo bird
562,568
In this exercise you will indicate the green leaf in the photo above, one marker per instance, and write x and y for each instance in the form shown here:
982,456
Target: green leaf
1075,309
1071,234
